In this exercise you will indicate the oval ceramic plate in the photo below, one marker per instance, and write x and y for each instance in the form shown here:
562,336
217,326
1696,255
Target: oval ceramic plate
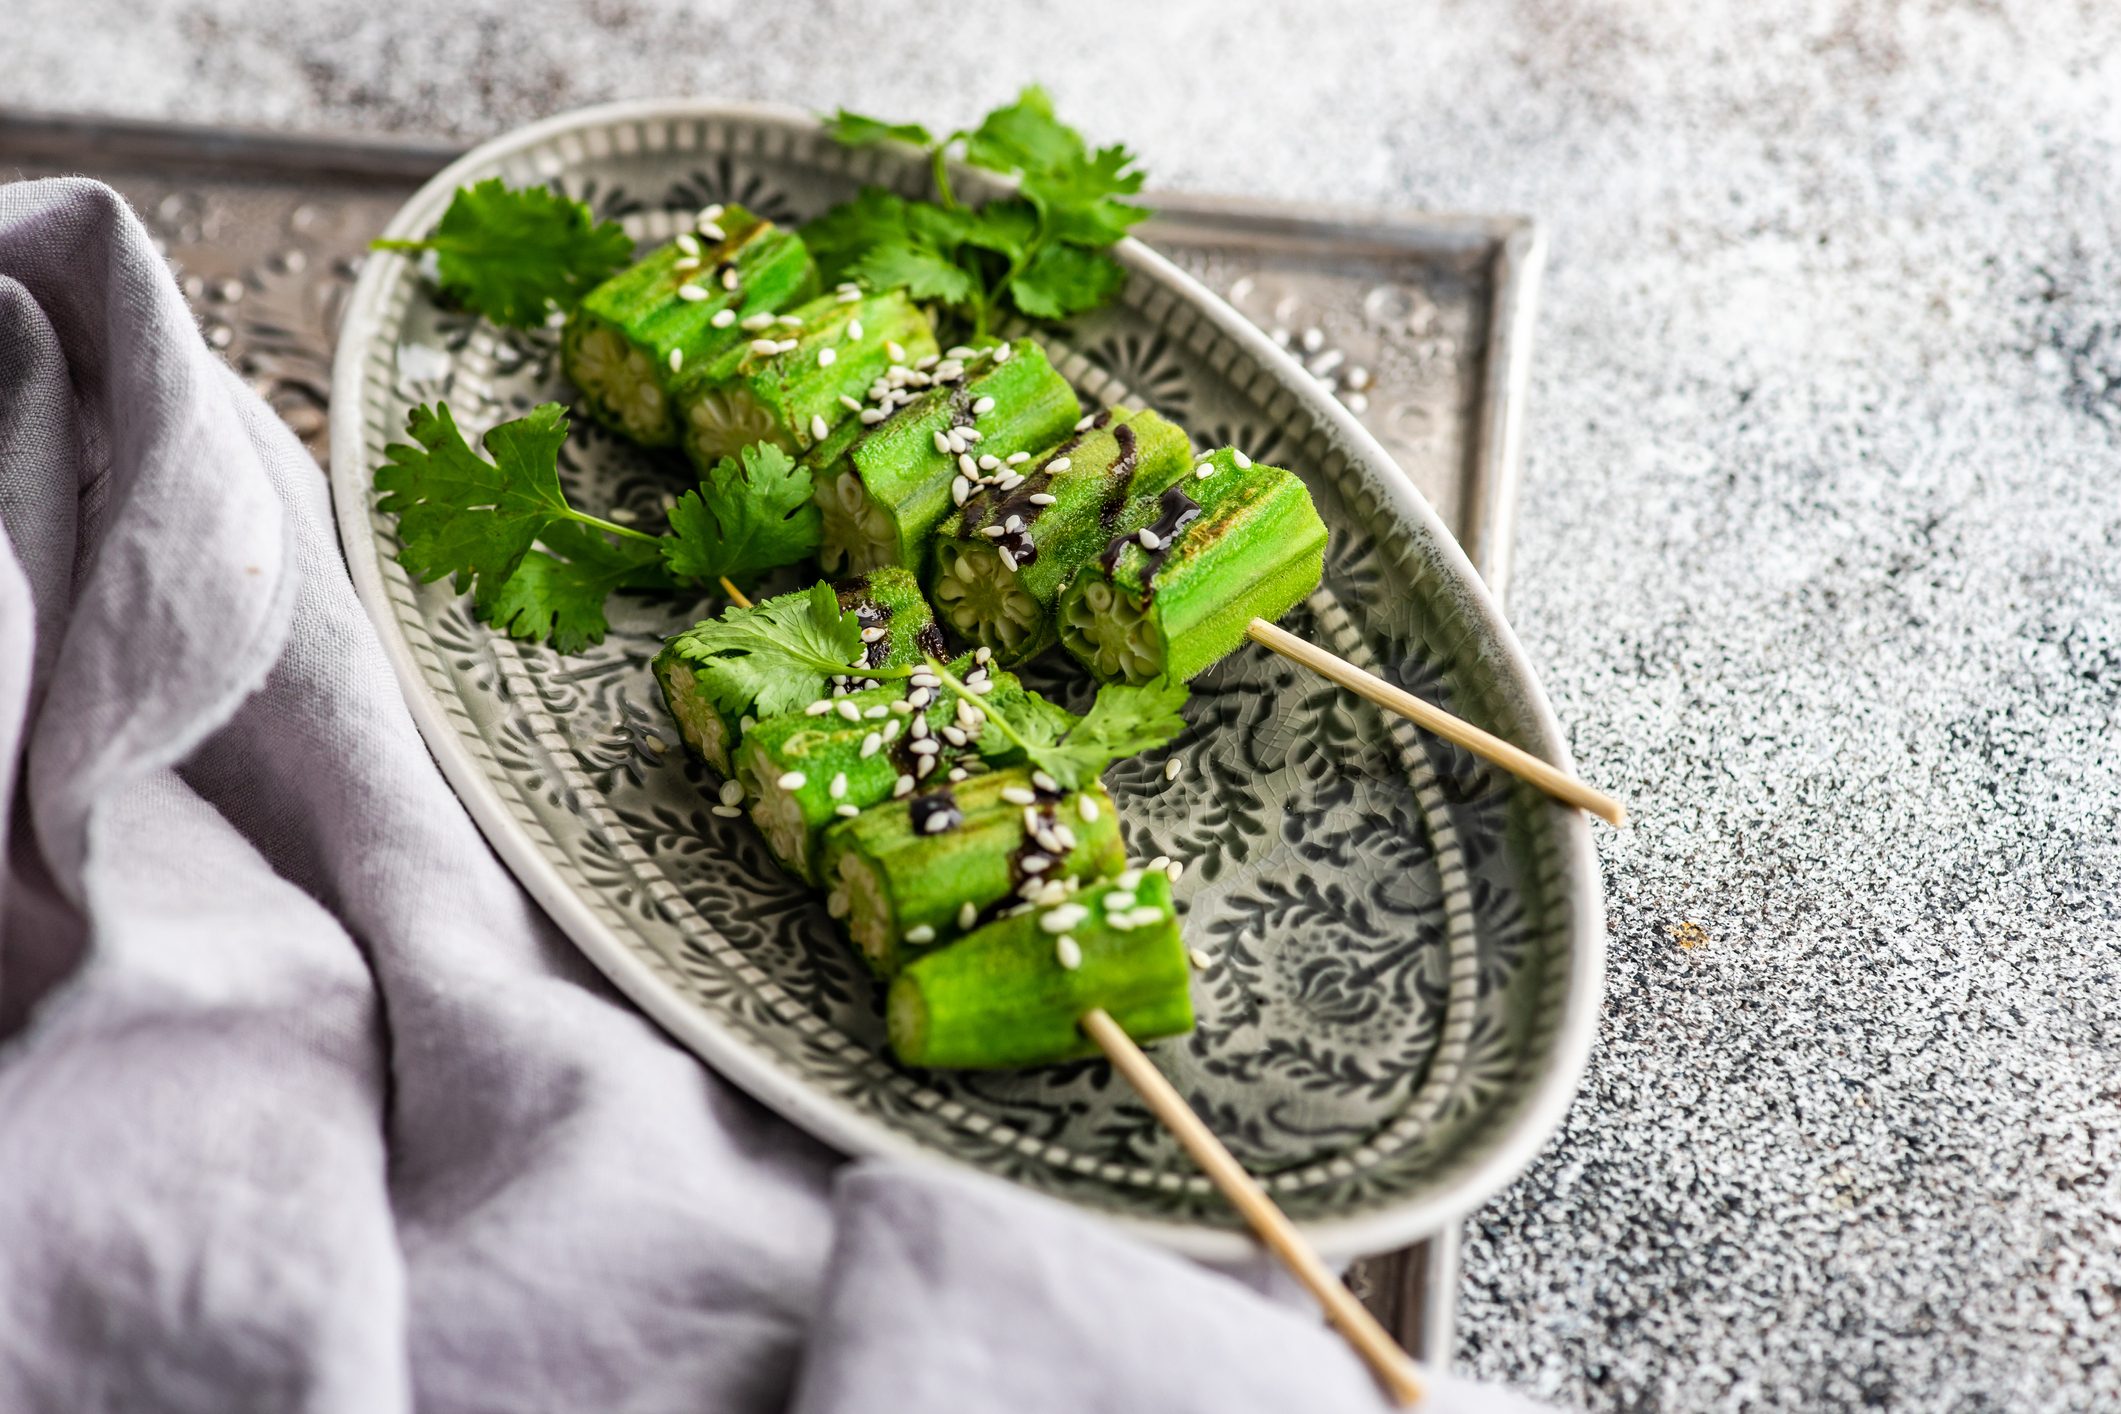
1407,947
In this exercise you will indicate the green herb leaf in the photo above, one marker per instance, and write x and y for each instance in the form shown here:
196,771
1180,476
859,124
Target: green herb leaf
561,596
842,235
1124,721
1076,197
1024,136
1065,280
462,515
776,651
855,130
927,273
752,512
514,255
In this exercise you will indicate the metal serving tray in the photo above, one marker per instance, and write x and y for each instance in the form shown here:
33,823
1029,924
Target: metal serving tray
1420,323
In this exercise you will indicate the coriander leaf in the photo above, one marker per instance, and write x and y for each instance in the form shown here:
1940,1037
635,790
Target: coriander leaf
1076,197
1005,227
1124,721
561,596
746,516
854,130
942,227
776,653
513,254
839,237
1063,280
1024,136
926,273
1036,721
462,515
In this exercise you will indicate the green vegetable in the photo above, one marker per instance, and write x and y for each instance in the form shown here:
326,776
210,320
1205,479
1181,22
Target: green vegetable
1241,542
845,753
1002,560
712,687
515,255
885,479
791,383
681,306
916,872
1042,251
1007,994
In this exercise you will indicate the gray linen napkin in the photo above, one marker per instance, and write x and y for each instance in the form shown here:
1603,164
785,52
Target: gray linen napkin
304,1106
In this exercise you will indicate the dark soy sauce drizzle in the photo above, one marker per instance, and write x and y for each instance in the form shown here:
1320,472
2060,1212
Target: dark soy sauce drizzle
1048,807
938,804
1175,511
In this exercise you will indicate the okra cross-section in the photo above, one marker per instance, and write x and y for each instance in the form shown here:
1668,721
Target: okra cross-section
884,477
795,376
682,304
1232,542
914,873
713,704
807,769
1011,993
1003,558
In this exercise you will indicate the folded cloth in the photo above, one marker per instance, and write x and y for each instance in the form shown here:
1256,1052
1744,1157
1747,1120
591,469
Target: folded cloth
304,1106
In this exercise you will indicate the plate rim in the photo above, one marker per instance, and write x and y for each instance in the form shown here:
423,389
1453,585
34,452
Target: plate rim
1498,1158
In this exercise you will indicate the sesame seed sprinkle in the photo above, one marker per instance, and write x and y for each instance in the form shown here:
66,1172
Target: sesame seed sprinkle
818,708
1017,458
846,812
1008,563
1200,960
1086,807
819,428
792,780
895,350
826,358
967,915
754,323
850,710
764,346
727,812
723,318
1241,460
854,328
677,359
691,293
1172,768
1068,953
871,744
838,789
689,243
729,279
850,403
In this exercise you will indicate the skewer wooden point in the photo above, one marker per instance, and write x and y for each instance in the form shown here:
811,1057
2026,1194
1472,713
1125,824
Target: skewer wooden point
1394,1368
1486,745
736,595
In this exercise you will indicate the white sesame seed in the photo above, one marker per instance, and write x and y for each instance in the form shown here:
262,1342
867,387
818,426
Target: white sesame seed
895,350
954,735
922,765
848,296
1083,424
729,279
1159,864
1121,922
992,532
691,292
1200,959
942,443
1065,835
818,708
966,464
967,915
921,932
902,706
838,789
1059,464
924,679
925,362
732,793
1147,916
959,489
1017,458
1049,842
710,214
826,358
1033,821
688,243
1172,768
904,786
713,232
1017,795
1044,781
727,812
1035,864
982,655
1241,459
926,746
982,407
872,416
1002,352
723,318
1177,868
686,262
971,434
746,722
819,428
1087,808
846,812
1117,900
854,328
1009,481
989,462
765,347
1204,470
1009,563
1128,878
755,322
1041,498
677,359
871,744
1013,524
877,712
851,404
1068,953
850,710
792,780
1061,919
787,345
1149,540
958,773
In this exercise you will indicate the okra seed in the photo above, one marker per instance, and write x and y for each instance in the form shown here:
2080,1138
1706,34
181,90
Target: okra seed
792,780
691,292
1068,953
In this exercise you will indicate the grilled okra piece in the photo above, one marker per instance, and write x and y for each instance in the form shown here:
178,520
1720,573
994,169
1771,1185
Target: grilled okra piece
791,379
714,708
682,304
1002,560
1233,542
887,477
807,769
914,873
1010,994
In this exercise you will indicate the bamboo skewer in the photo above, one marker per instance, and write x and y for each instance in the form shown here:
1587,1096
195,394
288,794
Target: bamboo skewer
1394,1368
1486,745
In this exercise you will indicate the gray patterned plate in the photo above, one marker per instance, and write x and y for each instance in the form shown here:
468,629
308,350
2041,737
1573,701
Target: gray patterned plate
1407,947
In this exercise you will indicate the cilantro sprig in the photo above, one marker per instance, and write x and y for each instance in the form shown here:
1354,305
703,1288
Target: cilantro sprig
501,526
516,254
1041,251
1125,720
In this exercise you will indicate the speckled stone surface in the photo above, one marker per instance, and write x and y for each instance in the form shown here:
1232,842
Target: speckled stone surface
1820,557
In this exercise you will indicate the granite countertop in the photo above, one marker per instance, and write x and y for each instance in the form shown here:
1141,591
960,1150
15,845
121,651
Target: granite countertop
1820,558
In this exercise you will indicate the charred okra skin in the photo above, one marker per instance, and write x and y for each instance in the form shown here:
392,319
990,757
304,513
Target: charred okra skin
884,477
1003,558
796,375
914,873
807,769
1006,995
1233,542
713,710
632,337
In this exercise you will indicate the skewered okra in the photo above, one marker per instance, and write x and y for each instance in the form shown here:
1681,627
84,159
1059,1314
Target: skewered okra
714,709
842,755
795,376
1234,542
1002,560
914,873
1011,993
682,303
888,476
